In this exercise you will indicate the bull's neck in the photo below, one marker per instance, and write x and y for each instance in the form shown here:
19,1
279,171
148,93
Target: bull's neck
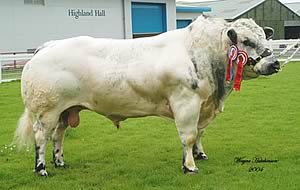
209,54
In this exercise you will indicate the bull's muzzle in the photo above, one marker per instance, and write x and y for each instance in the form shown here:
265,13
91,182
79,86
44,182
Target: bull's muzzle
275,67
270,68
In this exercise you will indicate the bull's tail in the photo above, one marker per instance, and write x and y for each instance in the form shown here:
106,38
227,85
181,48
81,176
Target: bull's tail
24,132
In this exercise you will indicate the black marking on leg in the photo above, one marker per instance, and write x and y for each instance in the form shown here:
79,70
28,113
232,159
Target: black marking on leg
53,156
40,167
201,156
195,149
37,151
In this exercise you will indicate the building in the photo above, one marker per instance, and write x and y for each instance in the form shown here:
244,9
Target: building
273,13
290,31
26,24
295,6
186,14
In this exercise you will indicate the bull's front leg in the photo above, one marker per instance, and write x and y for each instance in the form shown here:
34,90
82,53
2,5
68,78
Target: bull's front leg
198,150
186,108
58,138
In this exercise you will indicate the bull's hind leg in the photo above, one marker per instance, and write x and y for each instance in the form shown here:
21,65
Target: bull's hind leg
198,150
68,117
42,129
58,138
186,110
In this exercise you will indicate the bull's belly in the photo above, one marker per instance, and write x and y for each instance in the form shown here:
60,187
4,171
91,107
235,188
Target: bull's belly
130,108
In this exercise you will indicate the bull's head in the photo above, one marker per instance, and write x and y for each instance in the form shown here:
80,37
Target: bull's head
251,38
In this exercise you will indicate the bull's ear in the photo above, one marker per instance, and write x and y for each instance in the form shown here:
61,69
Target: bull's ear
232,36
269,32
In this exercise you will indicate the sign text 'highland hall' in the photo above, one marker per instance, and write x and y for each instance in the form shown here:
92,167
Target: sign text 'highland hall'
76,13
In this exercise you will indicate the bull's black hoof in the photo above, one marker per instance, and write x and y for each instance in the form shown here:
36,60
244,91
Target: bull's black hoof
40,169
42,173
188,171
201,156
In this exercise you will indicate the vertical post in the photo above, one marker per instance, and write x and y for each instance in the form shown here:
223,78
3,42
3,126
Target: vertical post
0,69
15,62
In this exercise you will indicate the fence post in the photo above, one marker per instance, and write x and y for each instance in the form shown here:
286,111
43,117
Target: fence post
0,70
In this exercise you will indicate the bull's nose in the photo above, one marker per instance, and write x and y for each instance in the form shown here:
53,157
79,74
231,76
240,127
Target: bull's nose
276,66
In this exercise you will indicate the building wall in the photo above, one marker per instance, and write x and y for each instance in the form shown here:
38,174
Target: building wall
28,26
273,14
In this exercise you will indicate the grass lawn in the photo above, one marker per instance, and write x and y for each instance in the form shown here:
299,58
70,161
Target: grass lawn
11,74
263,120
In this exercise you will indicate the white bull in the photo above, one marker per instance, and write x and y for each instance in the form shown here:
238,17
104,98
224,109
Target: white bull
179,75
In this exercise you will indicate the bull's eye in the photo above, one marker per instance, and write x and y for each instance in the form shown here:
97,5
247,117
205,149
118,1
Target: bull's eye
266,53
249,43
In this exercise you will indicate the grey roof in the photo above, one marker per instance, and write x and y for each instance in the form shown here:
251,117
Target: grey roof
294,6
228,9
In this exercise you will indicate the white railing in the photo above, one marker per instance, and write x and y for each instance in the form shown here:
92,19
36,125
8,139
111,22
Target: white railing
286,50
11,66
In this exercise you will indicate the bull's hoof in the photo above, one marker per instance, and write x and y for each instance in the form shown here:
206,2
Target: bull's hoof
201,156
42,173
189,171
40,169
59,164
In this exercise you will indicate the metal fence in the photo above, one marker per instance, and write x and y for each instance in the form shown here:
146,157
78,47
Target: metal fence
12,64
286,49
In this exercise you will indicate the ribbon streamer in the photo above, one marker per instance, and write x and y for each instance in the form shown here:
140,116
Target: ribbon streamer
242,59
232,55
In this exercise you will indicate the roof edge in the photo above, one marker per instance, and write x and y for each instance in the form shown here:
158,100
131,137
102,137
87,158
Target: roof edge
248,9
288,8
187,9
243,12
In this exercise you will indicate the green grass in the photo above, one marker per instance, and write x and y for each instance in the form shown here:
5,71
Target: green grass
262,120
11,74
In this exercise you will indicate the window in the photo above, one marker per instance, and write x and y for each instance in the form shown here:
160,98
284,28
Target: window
34,2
